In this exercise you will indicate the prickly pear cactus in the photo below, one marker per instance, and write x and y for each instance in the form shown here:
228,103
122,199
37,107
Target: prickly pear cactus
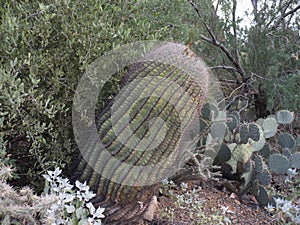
269,126
255,171
279,163
244,134
223,155
284,117
264,177
262,196
286,141
233,121
295,160
260,140
265,151
242,152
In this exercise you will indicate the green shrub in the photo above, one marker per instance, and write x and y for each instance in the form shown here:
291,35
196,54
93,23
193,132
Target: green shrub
44,50
284,92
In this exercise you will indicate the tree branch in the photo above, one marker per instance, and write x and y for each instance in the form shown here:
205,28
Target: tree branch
234,29
291,12
228,81
225,68
214,41
283,15
237,65
260,77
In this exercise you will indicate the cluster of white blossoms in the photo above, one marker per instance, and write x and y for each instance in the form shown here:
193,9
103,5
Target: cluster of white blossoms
284,207
73,205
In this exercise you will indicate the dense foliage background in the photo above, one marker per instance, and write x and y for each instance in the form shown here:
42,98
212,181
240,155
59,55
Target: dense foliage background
44,49
45,46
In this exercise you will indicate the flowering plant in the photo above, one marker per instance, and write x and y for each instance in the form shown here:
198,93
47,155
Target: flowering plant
73,206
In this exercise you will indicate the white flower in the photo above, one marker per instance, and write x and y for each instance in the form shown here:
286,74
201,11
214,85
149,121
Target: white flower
286,206
279,201
99,213
67,198
82,186
55,188
95,213
79,195
64,183
91,208
224,209
54,174
88,195
70,208
47,177
270,208
80,213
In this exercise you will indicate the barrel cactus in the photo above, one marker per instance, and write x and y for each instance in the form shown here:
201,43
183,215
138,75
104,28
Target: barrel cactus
163,107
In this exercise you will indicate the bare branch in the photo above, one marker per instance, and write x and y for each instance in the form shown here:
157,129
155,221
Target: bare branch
254,4
256,75
283,16
228,81
204,23
231,94
234,29
215,14
245,106
225,68
290,12
237,65
214,41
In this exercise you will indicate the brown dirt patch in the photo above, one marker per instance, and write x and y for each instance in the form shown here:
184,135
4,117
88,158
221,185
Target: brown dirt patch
208,205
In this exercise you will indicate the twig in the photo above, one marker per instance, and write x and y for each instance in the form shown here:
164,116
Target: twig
242,85
215,15
224,67
277,22
290,12
256,75
234,99
245,106
227,81
234,29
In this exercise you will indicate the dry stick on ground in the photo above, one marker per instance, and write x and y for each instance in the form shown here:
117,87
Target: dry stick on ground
214,41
